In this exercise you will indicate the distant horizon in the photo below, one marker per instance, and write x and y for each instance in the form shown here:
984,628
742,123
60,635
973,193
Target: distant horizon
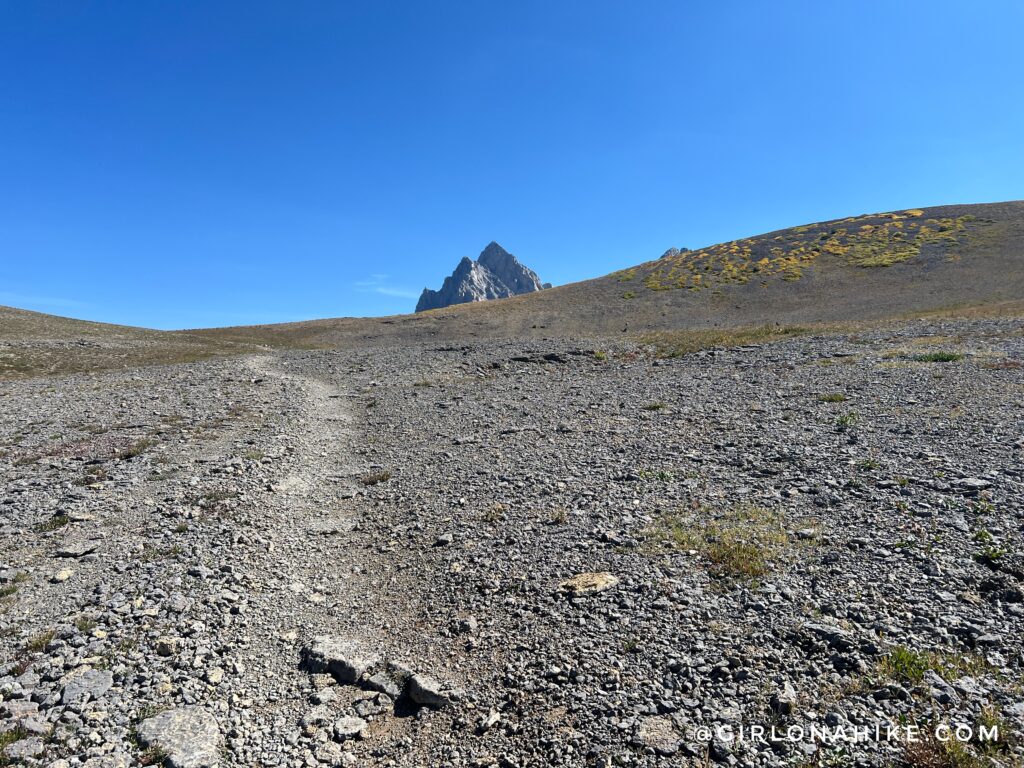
441,279
188,166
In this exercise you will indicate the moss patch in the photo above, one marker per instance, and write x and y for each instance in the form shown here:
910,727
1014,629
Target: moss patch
876,240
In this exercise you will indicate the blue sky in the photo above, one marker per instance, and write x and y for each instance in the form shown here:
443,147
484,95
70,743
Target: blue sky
187,164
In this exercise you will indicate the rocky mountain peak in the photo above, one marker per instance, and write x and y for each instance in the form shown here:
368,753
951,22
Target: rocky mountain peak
496,274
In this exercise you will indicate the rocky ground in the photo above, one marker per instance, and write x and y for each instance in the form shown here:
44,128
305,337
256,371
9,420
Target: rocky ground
520,554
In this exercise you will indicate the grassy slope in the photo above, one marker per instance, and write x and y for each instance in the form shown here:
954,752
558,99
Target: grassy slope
32,344
939,259
949,260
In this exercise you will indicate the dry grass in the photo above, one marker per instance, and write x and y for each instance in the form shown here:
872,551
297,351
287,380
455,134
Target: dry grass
33,344
741,542
832,397
137,448
929,752
37,643
908,665
375,478
53,523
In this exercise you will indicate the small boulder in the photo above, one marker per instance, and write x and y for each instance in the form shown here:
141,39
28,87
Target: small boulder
349,728
428,692
166,646
385,683
973,484
342,658
76,549
783,702
25,749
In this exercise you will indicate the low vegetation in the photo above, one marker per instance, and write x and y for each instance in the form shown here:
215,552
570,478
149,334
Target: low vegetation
53,523
872,241
375,478
137,448
846,421
930,752
833,397
40,350
8,737
908,665
938,357
741,542
37,643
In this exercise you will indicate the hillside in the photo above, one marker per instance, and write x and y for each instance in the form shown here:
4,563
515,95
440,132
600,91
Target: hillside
954,259
33,343
862,268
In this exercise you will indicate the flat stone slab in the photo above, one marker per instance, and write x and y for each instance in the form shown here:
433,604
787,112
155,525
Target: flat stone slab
115,760
342,658
659,734
86,684
77,548
190,737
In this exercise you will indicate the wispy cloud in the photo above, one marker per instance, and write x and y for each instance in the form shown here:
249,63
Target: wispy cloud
379,283
404,293
49,302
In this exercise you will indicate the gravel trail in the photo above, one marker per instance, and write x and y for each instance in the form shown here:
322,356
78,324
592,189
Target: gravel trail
521,553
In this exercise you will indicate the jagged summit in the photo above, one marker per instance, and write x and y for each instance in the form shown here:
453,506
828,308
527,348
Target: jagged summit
496,274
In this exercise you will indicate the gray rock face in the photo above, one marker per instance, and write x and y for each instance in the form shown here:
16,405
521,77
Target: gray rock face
673,252
189,736
496,274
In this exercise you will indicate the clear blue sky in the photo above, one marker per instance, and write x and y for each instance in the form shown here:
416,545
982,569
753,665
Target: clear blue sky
184,164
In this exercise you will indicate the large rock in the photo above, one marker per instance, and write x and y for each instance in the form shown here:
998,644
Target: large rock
86,684
496,274
428,692
189,736
342,658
